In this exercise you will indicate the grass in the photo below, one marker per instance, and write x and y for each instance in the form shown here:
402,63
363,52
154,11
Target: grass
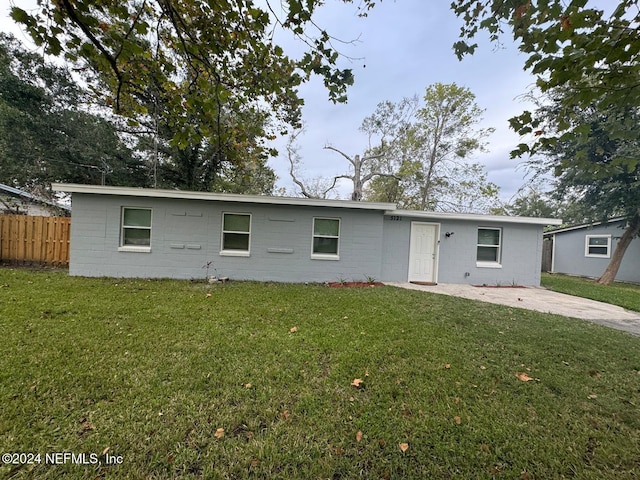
622,294
154,370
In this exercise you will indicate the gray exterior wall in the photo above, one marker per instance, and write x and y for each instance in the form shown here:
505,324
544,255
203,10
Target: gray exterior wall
569,253
186,234
520,257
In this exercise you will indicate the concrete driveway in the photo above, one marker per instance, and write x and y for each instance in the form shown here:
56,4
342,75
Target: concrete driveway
541,300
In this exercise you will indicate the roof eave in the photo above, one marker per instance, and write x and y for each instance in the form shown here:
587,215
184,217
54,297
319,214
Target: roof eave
475,217
222,197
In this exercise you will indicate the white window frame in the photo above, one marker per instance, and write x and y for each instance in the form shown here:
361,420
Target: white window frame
325,256
135,248
498,262
232,252
587,253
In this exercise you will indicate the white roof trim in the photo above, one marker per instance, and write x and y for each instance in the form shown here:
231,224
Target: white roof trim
220,197
474,217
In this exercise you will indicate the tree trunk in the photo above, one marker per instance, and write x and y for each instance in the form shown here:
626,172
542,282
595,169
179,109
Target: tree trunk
631,231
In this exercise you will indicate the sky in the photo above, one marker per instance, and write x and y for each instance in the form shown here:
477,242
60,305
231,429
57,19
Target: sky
401,48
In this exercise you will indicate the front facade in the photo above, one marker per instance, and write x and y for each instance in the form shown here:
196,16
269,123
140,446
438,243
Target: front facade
127,232
586,250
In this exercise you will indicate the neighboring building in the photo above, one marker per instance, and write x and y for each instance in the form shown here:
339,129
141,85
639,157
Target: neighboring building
132,232
14,201
586,250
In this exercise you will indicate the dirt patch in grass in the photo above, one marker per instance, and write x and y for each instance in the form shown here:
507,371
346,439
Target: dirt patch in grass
354,284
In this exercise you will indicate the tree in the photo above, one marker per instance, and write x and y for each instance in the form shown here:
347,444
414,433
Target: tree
568,44
227,163
600,170
318,187
427,149
588,60
210,58
362,170
46,132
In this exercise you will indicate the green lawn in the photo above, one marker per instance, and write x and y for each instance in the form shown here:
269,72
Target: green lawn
623,294
187,380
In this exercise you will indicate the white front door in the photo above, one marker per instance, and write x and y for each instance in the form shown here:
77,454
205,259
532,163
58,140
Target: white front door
423,252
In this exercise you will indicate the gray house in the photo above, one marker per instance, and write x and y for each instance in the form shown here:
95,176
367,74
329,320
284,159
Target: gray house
586,250
132,232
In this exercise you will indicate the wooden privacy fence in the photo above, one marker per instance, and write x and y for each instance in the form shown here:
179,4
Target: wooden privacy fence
26,239
547,254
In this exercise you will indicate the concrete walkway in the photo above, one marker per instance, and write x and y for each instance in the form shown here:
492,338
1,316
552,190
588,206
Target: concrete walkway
541,300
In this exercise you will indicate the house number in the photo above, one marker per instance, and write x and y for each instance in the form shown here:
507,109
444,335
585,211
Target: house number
395,218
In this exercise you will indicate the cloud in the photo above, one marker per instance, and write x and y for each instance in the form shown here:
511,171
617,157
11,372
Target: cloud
404,47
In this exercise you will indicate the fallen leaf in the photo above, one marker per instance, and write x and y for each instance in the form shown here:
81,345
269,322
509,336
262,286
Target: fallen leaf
351,399
255,462
219,433
366,373
523,377
358,436
457,400
293,329
382,442
286,414
208,295
247,385
592,396
356,382
447,365
403,446
458,420
482,367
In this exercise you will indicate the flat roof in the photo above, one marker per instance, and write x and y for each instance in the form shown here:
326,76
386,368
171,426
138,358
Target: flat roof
221,197
474,217
386,208
584,225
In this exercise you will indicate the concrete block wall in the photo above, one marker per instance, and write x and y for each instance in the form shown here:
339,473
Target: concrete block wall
186,234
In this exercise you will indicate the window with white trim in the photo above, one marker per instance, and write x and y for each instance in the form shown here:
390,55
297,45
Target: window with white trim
598,246
236,234
135,231
326,238
489,247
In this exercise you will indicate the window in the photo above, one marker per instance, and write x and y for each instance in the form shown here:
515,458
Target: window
326,238
488,250
135,234
597,246
236,234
